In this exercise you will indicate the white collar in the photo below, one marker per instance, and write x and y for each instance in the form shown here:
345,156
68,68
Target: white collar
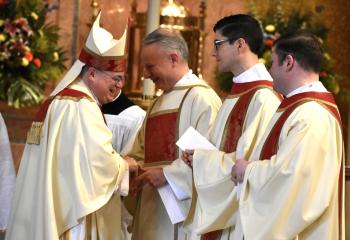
186,79
310,87
120,92
255,73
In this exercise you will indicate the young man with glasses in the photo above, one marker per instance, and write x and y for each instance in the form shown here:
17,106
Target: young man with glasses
239,125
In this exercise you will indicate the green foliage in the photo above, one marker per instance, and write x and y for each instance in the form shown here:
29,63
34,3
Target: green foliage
225,81
277,21
29,53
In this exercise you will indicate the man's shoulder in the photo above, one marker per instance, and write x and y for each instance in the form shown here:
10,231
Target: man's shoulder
267,94
203,91
315,113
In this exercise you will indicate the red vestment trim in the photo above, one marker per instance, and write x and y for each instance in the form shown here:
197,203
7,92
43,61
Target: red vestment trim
114,64
67,92
160,138
234,126
288,106
240,88
161,134
214,235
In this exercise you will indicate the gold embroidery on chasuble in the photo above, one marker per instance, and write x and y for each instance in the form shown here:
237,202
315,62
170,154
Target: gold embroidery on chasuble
34,133
270,146
162,132
287,106
234,125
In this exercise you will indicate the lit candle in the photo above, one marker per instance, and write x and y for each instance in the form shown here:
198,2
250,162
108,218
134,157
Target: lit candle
148,88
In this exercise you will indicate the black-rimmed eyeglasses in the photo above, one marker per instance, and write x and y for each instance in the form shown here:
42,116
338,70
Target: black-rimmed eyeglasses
218,43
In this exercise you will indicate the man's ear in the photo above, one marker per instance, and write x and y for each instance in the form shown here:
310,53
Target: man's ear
289,62
241,44
174,58
91,73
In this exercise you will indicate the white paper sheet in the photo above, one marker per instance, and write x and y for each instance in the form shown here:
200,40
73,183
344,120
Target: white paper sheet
171,204
192,139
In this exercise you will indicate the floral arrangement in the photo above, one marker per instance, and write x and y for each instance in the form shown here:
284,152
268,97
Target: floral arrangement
29,54
275,21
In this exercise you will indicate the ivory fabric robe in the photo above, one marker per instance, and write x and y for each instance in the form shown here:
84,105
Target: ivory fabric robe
70,175
216,206
124,119
239,125
197,109
297,192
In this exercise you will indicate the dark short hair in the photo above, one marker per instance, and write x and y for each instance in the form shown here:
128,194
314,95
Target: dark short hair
168,39
84,70
241,26
303,46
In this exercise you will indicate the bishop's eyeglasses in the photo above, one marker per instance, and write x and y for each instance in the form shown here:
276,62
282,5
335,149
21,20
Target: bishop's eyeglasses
117,78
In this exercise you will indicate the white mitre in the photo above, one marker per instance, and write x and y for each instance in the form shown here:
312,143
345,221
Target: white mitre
101,51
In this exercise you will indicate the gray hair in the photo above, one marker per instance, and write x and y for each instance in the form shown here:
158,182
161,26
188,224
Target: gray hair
168,39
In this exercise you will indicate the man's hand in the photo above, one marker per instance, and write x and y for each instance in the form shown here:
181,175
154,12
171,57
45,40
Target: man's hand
154,176
238,171
133,166
187,157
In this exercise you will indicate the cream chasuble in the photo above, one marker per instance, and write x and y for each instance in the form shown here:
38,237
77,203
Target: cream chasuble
296,192
190,103
69,178
216,206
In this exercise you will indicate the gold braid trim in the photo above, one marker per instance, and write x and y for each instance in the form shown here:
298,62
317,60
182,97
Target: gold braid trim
34,133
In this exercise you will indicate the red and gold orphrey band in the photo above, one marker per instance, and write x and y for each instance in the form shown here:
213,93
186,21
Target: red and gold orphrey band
288,106
105,63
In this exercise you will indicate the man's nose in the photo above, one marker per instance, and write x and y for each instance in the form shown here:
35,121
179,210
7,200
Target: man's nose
214,52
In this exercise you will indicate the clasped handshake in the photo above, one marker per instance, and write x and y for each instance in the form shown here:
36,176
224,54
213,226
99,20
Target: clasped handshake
140,176
154,177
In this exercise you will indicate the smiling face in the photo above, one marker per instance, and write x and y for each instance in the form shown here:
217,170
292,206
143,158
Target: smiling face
105,85
158,66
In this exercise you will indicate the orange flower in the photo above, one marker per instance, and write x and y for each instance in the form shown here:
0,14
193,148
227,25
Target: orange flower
28,56
37,62
269,43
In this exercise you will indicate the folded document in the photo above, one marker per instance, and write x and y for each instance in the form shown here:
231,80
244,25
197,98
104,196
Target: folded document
191,139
